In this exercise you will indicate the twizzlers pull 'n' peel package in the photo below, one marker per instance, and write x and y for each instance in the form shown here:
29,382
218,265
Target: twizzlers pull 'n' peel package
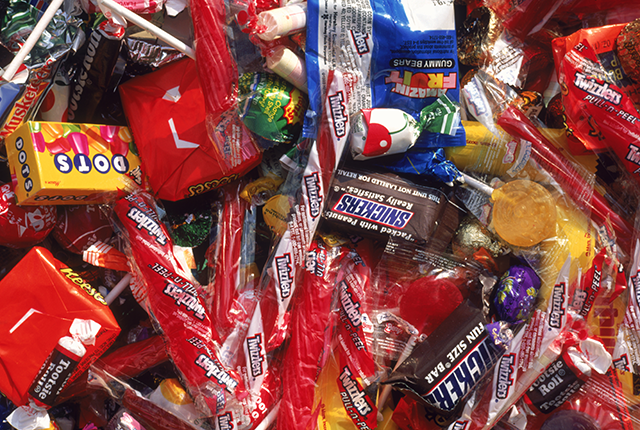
402,54
599,112
175,303
40,299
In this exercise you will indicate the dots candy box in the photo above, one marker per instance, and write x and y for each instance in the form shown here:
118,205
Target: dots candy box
64,163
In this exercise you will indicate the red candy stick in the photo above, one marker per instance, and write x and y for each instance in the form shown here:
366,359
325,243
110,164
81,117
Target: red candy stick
514,122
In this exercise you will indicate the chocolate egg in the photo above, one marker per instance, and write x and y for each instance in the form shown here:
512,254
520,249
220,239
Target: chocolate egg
516,294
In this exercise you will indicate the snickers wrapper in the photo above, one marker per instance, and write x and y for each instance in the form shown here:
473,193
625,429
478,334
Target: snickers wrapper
443,370
383,206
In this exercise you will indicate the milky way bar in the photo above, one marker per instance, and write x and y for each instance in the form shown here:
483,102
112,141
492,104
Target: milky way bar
385,205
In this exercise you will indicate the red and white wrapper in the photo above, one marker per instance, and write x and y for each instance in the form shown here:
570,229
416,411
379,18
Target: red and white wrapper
23,226
282,273
174,301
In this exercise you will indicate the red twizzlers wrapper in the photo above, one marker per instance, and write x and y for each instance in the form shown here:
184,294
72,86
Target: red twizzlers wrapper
167,292
599,113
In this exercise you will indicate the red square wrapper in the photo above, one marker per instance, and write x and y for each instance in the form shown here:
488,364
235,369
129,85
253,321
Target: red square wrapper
166,114
40,299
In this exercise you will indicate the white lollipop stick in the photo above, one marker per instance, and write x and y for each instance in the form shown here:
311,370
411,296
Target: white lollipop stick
143,23
31,41
120,286
478,185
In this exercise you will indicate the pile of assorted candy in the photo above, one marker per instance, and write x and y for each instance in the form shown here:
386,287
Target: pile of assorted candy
321,214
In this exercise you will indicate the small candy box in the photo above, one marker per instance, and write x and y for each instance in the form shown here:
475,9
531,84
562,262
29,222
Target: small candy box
56,163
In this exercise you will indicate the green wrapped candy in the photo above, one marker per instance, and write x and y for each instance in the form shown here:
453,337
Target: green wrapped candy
271,108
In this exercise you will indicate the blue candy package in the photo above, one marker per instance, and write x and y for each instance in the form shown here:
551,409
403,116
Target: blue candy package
395,54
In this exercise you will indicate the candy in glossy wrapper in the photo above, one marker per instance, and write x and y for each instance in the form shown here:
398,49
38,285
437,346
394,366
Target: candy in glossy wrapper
179,158
271,108
93,75
524,213
439,370
23,226
480,29
41,297
79,227
516,294
386,131
383,205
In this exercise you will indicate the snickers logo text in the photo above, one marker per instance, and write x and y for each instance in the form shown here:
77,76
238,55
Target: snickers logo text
370,210
459,381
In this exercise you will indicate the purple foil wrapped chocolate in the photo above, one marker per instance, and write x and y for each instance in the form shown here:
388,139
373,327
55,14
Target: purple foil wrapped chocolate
516,294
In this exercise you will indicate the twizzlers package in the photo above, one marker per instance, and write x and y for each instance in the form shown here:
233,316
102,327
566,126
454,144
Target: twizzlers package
174,301
600,113
166,113
41,297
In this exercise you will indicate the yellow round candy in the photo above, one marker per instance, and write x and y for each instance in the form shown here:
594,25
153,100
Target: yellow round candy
524,213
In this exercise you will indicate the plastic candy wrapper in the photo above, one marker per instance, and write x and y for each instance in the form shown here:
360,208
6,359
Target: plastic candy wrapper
383,205
281,277
490,99
597,102
526,17
233,278
526,357
309,334
627,347
165,288
566,375
179,158
61,36
401,56
415,362
218,74
384,131
143,408
79,227
55,373
94,70
271,108
23,227
345,374
101,254
38,321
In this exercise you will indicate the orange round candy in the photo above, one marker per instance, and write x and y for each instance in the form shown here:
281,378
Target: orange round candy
524,213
